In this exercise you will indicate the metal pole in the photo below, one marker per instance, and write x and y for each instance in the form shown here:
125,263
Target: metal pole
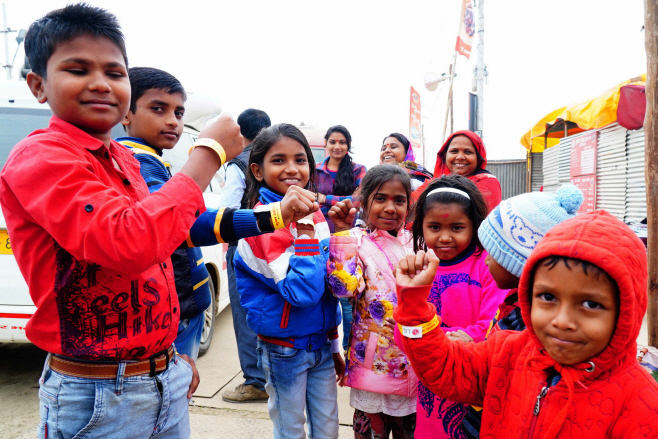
481,68
422,143
452,114
528,178
7,66
452,77
651,162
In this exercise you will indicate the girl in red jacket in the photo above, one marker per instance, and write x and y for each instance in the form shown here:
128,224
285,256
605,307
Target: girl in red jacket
572,373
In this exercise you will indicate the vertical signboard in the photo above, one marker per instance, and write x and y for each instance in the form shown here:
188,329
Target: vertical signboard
583,168
583,155
414,119
466,29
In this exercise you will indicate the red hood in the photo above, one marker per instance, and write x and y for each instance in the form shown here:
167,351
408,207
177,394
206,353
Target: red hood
608,243
441,169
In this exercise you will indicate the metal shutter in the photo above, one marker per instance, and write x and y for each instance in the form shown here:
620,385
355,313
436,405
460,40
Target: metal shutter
536,173
551,166
564,173
611,170
511,174
636,197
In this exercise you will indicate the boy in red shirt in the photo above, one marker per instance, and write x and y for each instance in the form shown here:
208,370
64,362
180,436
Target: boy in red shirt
572,373
94,246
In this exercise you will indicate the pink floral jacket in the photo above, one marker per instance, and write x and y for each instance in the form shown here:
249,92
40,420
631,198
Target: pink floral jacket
361,267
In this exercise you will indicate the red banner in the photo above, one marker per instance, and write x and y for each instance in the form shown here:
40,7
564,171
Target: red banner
583,168
466,29
587,184
414,119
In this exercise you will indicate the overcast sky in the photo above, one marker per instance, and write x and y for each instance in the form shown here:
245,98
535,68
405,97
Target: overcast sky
352,62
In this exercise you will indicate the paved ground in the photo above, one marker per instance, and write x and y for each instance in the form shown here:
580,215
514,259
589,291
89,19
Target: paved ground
210,416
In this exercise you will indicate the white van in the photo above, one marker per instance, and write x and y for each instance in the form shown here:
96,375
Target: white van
20,114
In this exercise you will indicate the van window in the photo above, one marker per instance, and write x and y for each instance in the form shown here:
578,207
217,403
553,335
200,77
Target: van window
318,154
177,157
17,123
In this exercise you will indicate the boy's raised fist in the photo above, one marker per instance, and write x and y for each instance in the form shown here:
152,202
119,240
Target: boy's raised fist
417,270
227,132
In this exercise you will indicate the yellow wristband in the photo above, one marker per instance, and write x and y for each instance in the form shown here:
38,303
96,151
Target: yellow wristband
277,216
212,144
418,331
343,233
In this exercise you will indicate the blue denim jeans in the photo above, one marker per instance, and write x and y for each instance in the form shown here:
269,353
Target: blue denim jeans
346,309
188,339
125,407
245,337
298,379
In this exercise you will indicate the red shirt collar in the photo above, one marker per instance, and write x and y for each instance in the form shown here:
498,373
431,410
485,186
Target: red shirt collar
82,138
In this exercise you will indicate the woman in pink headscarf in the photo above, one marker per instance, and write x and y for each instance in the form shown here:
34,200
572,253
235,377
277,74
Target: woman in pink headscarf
396,148
463,153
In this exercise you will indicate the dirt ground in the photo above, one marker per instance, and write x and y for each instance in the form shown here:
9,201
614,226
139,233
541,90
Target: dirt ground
210,416
20,369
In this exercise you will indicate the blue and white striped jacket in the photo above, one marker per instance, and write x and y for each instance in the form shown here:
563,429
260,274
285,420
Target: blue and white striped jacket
281,280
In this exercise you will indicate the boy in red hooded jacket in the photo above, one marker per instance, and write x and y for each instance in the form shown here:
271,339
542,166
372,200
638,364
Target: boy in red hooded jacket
572,373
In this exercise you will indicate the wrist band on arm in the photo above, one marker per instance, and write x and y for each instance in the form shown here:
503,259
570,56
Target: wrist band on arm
212,144
335,346
418,331
277,216
343,233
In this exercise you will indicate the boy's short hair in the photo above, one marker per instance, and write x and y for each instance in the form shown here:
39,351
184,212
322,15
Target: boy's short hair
587,267
143,79
61,25
251,121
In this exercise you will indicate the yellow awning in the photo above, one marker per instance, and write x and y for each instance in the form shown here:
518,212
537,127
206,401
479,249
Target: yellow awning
588,115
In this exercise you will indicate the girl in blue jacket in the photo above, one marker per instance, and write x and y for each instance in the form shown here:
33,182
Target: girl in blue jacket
281,280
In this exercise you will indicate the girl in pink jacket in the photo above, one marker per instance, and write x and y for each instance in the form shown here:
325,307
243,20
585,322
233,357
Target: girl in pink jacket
361,267
446,219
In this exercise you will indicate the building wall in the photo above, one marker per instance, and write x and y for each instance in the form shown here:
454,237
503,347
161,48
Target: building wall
511,174
620,182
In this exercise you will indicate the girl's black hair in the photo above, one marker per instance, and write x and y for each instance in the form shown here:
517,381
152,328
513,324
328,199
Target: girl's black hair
375,179
344,183
475,208
400,138
262,143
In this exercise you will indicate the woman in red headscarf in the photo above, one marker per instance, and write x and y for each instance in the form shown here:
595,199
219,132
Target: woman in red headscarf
464,154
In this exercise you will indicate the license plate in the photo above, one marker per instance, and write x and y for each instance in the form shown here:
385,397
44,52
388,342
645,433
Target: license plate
5,244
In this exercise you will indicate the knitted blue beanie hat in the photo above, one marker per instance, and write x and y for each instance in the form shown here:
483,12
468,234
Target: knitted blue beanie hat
511,231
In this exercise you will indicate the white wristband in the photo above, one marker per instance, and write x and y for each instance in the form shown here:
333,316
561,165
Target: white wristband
335,346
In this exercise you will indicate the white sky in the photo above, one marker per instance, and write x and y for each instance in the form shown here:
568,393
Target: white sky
352,62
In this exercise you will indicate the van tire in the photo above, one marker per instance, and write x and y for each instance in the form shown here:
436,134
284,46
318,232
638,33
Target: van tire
208,320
